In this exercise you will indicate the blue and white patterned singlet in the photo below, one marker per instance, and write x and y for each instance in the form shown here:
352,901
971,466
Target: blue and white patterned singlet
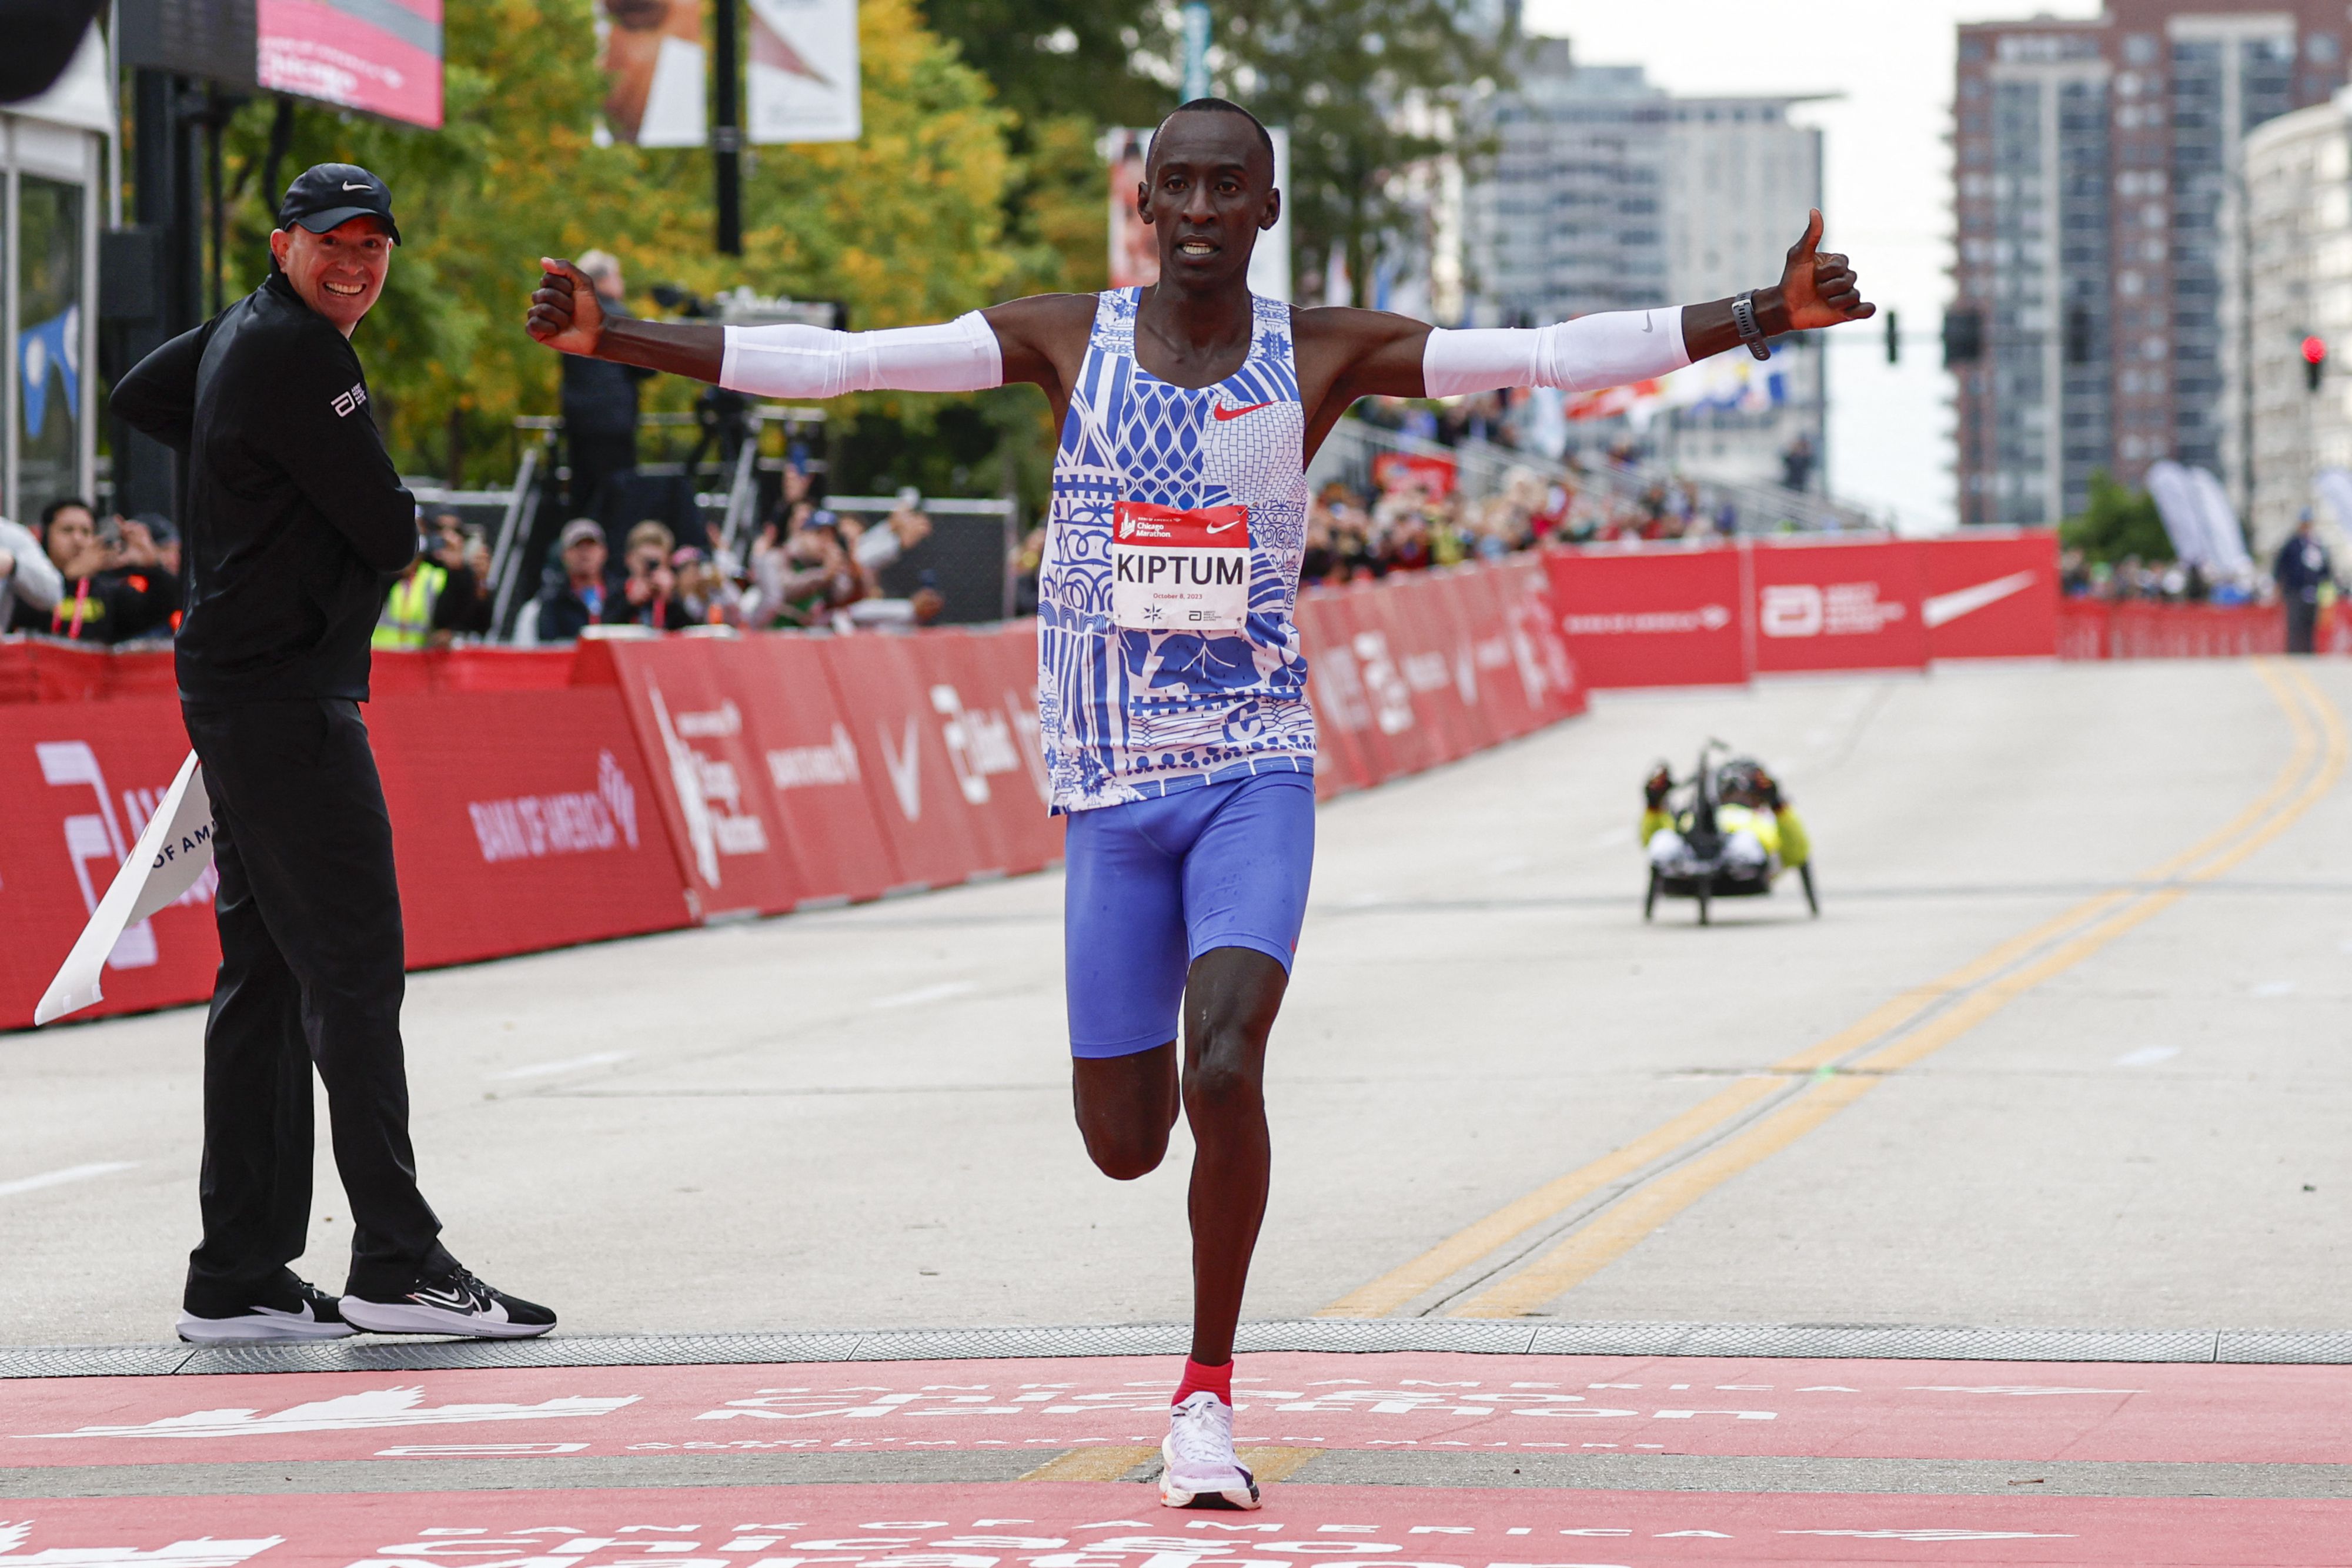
1132,714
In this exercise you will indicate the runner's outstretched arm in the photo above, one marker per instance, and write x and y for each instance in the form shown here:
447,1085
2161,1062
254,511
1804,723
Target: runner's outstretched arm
1011,343
1373,353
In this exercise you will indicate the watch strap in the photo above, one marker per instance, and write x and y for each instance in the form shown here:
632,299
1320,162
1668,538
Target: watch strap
1751,332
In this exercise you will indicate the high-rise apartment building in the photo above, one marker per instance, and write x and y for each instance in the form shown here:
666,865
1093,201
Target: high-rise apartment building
1606,193
2299,292
2096,322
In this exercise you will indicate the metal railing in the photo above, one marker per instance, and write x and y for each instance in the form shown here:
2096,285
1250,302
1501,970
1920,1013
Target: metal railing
1483,467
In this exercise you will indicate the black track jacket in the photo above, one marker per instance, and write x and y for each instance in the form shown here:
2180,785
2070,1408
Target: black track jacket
292,517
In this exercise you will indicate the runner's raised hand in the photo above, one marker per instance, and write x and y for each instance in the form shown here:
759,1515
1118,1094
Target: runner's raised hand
566,313
1821,290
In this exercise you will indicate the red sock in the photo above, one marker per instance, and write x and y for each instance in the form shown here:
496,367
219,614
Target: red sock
1217,1380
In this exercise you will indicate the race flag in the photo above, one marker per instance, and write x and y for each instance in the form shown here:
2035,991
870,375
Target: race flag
172,852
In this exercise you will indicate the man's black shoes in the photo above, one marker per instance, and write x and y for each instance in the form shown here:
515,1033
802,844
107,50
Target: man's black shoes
286,1309
446,1301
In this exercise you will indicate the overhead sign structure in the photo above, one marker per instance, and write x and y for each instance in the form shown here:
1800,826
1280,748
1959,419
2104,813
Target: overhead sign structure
383,56
803,81
655,85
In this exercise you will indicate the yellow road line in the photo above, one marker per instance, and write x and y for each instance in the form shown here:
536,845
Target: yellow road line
1616,1231
1273,1464
1514,1221
1458,1251
1108,1464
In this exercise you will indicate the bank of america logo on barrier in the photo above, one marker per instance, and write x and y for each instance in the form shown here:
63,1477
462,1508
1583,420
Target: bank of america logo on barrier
580,821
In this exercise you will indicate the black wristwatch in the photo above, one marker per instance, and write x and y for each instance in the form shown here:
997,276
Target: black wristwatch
1743,315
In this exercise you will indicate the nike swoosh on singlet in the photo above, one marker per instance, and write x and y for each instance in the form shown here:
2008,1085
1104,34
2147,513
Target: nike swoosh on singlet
1222,412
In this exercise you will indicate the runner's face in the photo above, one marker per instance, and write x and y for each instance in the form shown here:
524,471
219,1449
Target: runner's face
1209,191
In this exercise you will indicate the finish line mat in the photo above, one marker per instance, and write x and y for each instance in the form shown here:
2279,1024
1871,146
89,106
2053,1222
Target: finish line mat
1403,1460
1047,1525
1437,1403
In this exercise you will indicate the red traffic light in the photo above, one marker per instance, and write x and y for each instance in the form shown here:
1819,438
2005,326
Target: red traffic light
2315,350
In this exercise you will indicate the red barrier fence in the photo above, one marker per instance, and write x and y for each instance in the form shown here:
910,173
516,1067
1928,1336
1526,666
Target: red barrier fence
1717,615
542,798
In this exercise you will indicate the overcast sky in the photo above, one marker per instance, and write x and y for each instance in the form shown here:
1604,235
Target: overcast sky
1889,185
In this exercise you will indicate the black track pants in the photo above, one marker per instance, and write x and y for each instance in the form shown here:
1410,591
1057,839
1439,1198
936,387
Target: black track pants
312,975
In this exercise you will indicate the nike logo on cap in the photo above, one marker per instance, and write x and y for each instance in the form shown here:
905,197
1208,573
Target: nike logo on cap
363,185
1222,412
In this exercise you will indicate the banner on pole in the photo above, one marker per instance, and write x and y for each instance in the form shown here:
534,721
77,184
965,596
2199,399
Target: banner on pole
803,71
654,82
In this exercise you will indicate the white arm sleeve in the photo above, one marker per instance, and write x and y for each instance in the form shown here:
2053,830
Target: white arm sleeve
1591,352
38,583
960,355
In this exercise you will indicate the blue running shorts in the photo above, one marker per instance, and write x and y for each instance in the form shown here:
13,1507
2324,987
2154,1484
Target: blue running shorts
1153,884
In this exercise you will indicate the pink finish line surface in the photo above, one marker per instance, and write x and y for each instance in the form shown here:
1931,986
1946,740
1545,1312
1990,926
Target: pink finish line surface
1049,1525
1414,1401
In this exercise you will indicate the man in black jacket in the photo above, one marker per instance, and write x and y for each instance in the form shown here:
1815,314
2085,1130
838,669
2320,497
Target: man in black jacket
294,522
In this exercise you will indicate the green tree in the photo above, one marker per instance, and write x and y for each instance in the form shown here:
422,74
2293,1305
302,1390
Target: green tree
1051,58
905,224
2116,522
1369,88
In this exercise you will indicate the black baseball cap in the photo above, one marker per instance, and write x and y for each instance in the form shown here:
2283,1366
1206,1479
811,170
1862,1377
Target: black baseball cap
326,195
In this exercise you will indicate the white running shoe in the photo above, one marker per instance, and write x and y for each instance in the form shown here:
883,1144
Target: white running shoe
1197,1456
294,1310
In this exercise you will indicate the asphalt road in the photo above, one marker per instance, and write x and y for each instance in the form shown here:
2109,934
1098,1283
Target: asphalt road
2021,1072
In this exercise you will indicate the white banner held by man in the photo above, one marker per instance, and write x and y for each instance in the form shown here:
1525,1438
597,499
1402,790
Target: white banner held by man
803,82
172,850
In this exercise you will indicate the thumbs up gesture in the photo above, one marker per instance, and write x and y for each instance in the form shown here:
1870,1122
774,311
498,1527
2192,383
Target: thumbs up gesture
1821,290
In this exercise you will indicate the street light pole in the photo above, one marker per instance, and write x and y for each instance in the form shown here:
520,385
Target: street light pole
726,133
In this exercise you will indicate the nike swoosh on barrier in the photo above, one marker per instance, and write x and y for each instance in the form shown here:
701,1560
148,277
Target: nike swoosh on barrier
1943,607
1222,412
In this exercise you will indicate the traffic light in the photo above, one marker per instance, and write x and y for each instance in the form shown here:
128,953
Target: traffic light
2314,361
1963,337
1894,338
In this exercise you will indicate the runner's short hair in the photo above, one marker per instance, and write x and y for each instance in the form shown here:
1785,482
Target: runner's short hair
1212,105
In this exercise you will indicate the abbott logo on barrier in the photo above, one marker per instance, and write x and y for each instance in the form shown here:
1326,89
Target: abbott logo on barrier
1823,609
532,827
979,743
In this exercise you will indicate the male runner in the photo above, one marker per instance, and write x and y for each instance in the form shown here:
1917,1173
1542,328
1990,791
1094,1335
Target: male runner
1172,692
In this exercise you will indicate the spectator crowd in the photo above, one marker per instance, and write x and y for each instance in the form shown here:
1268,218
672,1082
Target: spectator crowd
88,580
809,567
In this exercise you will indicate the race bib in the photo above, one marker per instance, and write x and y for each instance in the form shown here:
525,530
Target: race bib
1177,571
